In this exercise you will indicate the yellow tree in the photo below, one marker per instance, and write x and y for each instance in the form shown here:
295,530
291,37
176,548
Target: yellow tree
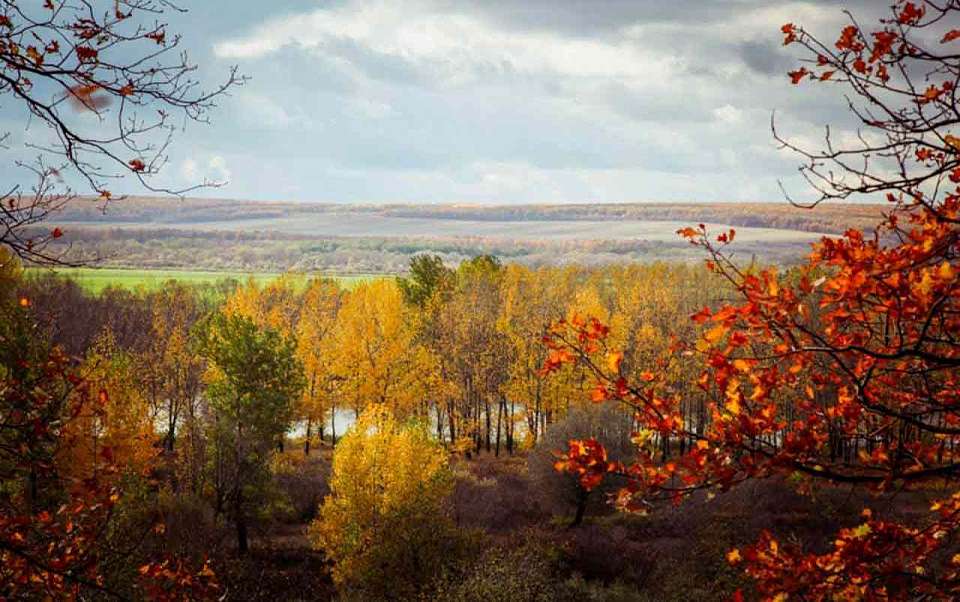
276,304
170,369
117,431
379,359
651,310
529,304
473,351
317,350
383,524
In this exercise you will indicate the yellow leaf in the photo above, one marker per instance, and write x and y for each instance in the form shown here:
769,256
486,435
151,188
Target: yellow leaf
733,556
952,141
733,397
926,283
861,531
614,360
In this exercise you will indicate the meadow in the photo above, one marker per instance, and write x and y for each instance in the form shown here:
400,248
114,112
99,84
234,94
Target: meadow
95,280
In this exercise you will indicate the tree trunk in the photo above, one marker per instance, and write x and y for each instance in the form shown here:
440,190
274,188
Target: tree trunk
242,545
486,411
582,495
241,520
510,427
500,409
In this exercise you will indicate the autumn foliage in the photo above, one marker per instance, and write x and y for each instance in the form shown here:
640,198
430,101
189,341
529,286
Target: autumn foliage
67,448
383,524
843,371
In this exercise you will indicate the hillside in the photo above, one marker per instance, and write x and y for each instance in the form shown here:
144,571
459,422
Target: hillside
222,234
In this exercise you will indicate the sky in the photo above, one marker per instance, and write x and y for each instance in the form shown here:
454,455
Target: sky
503,101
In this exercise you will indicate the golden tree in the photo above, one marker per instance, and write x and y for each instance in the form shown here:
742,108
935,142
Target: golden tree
383,524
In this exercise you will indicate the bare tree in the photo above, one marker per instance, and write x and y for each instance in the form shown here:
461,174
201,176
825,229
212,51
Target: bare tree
65,60
902,83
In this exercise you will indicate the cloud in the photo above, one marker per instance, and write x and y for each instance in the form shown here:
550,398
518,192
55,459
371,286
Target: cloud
541,99
212,168
453,48
263,111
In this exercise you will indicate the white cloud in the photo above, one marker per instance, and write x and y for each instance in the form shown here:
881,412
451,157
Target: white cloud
212,168
370,109
728,114
261,110
441,99
453,47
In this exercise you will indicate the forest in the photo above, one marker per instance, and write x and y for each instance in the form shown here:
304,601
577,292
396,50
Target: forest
477,427
231,235
450,358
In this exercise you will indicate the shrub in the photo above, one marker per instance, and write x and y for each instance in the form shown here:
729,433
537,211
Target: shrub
560,492
384,524
528,573
302,482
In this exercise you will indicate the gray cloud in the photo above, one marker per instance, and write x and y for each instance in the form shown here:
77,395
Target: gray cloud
503,100
766,57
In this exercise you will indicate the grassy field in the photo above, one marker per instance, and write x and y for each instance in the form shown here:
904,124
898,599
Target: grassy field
97,279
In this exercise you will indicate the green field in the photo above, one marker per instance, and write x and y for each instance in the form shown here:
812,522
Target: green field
97,279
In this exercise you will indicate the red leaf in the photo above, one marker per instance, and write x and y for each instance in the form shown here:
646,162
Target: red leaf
86,54
799,74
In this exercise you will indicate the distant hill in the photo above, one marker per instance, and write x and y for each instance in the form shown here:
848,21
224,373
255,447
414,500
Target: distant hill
237,235
832,218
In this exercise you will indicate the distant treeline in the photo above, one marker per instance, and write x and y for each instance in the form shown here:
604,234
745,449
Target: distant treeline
263,251
834,219
831,219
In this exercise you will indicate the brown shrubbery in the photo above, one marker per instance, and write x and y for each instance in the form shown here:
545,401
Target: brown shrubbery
561,493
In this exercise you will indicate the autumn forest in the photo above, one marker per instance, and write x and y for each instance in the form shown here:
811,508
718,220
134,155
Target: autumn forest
762,406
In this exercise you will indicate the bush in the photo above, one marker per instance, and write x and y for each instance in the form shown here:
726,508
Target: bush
560,493
525,574
494,495
384,524
302,482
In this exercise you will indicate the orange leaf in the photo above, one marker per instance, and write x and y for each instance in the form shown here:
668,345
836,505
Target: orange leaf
716,333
